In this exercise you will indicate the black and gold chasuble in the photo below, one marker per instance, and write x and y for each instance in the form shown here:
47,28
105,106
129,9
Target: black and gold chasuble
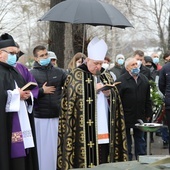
77,141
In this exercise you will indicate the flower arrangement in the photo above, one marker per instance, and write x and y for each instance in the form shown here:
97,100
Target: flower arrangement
156,97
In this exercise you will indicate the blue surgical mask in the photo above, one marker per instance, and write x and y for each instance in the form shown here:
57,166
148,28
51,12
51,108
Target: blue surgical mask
135,71
155,60
44,62
12,59
120,61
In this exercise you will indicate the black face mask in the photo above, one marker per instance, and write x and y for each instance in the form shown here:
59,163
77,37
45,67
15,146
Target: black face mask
149,66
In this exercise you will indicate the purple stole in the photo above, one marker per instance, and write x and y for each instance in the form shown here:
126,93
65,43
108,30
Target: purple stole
17,145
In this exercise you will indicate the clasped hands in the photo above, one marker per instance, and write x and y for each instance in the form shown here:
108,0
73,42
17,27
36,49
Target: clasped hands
105,92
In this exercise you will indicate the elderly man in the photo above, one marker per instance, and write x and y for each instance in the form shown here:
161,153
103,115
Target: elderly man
91,125
135,95
17,151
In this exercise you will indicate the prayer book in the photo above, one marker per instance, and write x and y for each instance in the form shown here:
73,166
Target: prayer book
29,86
107,87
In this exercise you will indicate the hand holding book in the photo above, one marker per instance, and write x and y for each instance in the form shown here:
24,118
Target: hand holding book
107,87
29,86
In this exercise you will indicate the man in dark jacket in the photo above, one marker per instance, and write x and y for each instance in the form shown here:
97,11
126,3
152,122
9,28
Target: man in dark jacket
50,80
164,86
119,65
134,91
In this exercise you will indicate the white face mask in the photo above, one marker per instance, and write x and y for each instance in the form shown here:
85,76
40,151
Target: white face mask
105,66
139,63
78,64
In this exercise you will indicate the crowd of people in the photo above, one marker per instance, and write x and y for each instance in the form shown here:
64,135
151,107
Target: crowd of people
67,121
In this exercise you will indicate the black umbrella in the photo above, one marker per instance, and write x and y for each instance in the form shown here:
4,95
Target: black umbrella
91,12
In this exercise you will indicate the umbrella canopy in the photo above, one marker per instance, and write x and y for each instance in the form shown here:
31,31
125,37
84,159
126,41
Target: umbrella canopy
91,12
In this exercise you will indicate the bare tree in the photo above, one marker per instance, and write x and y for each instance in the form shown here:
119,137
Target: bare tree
150,21
6,17
169,33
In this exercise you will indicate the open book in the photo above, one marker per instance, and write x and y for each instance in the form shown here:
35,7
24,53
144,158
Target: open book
29,86
107,87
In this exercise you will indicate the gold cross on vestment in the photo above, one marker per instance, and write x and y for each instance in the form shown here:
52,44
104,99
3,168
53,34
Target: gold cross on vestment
91,165
88,80
113,100
17,137
90,144
69,144
90,122
70,108
89,100
81,105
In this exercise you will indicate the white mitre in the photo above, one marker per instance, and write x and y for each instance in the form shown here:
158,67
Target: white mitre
97,49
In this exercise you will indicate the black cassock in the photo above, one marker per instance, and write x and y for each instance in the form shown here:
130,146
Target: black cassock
9,75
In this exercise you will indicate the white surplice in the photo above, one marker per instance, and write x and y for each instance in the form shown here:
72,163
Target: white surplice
47,138
14,104
102,117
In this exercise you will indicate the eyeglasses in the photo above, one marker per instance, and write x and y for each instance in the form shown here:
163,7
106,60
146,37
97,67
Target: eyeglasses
12,53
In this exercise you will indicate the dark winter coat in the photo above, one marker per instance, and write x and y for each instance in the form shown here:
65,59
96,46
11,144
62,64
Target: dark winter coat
48,105
135,98
164,83
117,70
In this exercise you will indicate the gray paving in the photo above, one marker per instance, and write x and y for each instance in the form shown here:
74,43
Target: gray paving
156,149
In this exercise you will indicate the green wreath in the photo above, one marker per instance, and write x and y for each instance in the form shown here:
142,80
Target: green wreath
156,98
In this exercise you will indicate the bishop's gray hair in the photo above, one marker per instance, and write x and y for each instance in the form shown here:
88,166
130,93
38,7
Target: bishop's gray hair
127,61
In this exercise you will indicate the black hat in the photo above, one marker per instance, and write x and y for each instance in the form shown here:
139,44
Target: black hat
20,53
148,59
6,40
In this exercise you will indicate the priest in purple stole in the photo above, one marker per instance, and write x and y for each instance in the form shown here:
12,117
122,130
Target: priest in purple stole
17,141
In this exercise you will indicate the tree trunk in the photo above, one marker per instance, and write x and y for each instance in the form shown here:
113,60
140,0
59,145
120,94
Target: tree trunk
56,38
66,39
78,38
69,52
73,41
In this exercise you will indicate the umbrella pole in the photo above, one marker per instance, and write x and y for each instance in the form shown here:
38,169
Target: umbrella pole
84,34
